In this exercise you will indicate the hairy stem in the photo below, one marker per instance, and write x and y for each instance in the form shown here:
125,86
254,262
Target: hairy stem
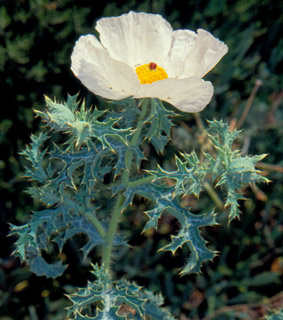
214,196
140,181
96,223
119,205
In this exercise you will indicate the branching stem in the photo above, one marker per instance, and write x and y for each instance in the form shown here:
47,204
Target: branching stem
96,223
140,181
119,205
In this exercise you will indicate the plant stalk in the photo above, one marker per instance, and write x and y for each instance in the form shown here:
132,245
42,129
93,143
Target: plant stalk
96,223
119,204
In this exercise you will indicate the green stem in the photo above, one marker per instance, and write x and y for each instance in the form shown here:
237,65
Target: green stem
119,204
140,181
96,223
213,195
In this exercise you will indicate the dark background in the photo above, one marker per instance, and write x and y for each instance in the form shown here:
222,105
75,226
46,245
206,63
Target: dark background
36,41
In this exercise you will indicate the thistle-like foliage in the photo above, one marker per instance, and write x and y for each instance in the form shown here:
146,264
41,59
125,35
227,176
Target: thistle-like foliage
115,300
82,125
91,177
230,168
164,200
69,179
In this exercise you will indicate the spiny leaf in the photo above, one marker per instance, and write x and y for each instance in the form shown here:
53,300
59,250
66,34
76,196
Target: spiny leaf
101,315
158,122
35,156
232,202
230,168
159,118
83,131
79,316
80,225
110,299
164,200
41,268
82,125
121,151
153,306
221,135
25,239
45,194
91,163
188,180
146,190
57,224
85,297
111,314
58,115
127,115
27,250
189,234
131,298
99,294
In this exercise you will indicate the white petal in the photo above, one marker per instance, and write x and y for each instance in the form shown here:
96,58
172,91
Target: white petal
100,73
83,51
188,95
204,55
183,41
136,38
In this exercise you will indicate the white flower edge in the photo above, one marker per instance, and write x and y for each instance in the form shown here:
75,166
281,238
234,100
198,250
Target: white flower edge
188,95
107,68
100,73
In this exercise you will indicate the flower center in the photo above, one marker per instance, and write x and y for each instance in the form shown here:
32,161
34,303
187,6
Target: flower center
150,72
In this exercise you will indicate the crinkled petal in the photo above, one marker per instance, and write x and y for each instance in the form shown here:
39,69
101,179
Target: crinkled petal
183,41
136,38
188,95
204,55
100,73
83,50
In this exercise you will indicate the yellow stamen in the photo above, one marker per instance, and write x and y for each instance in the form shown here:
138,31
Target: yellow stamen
151,72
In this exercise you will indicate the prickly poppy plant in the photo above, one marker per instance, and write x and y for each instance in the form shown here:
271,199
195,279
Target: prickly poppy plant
138,62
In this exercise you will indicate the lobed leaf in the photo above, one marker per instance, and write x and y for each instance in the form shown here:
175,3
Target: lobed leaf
93,166
159,125
232,170
188,180
120,152
115,300
58,225
34,154
189,234
82,125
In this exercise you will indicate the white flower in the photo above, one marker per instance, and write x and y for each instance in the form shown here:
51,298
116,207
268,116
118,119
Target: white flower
140,55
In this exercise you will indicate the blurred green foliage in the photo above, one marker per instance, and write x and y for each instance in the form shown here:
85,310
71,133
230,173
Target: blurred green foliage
37,37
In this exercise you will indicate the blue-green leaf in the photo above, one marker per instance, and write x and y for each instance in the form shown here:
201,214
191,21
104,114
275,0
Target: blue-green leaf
108,299
188,179
109,314
50,270
189,234
58,225
230,168
82,124
159,125
58,115
121,151
35,156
